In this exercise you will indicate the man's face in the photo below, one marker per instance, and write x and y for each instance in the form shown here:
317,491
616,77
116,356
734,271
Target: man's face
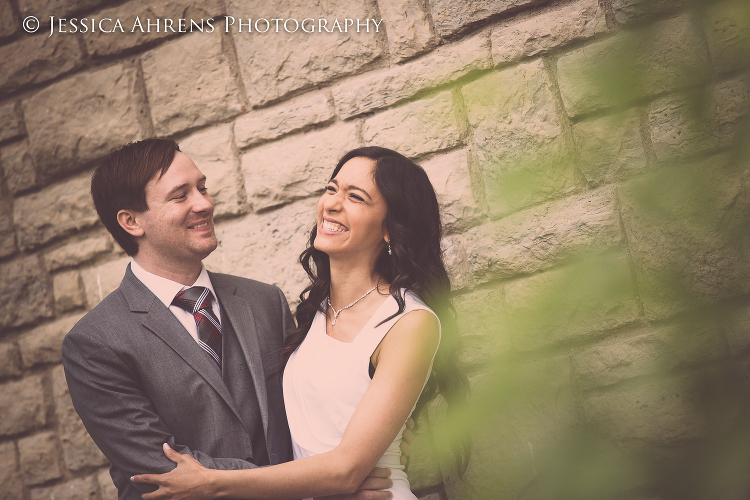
178,227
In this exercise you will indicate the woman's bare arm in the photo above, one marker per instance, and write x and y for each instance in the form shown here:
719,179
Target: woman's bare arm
405,356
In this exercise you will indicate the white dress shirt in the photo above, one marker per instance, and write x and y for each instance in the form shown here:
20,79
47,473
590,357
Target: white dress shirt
166,289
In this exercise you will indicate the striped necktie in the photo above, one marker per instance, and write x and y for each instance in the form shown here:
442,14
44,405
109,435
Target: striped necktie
197,301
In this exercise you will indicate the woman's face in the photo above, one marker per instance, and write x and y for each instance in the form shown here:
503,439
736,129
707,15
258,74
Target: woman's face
351,213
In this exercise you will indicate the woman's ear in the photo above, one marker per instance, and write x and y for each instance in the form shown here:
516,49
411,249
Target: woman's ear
128,221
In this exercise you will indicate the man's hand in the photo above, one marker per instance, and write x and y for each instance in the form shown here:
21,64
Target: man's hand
405,445
369,489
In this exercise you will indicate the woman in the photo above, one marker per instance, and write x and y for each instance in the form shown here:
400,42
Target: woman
361,361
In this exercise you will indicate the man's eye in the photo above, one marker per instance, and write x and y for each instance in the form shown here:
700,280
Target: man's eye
330,189
203,189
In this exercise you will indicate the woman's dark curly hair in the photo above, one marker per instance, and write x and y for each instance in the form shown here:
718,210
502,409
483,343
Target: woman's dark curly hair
416,265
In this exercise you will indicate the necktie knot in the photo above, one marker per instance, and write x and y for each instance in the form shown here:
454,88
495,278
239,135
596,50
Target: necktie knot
197,301
193,299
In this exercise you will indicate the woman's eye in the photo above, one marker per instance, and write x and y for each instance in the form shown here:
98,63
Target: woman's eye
357,197
330,189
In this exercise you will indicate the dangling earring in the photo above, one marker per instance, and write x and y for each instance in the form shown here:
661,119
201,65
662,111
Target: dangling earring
390,252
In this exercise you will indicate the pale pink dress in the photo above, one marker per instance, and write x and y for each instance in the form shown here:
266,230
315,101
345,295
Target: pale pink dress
325,380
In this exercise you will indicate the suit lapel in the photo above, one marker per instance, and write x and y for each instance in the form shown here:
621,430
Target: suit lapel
168,328
239,312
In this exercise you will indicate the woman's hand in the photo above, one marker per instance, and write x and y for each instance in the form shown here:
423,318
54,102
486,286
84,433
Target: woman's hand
189,481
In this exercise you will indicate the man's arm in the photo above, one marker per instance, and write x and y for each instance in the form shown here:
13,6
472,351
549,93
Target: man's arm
118,415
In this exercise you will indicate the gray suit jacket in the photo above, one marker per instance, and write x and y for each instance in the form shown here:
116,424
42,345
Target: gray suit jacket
138,379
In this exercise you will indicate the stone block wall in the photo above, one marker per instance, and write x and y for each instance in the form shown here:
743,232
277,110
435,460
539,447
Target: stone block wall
548,128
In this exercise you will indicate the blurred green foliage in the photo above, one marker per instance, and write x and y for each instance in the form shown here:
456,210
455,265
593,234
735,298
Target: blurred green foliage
651,415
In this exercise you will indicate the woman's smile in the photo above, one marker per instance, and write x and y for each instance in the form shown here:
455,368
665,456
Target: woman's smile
330,226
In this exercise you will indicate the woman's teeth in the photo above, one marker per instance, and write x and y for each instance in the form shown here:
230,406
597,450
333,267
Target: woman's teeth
332,226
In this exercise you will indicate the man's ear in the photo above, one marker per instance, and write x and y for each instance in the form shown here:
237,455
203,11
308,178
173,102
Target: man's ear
127,220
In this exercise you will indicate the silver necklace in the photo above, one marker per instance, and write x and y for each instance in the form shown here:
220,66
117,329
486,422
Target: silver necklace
336,313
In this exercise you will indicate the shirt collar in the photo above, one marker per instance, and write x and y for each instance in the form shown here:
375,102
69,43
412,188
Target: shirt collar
165,289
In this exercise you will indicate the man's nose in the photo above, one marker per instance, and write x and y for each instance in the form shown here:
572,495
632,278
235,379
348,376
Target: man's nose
203,202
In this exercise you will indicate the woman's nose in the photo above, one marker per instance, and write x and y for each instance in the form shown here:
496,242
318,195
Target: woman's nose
332,202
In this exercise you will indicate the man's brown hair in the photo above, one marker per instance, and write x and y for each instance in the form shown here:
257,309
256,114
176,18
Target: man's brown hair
119,183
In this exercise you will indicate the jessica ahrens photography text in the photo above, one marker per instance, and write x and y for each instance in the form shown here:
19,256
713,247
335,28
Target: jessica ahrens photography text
31,24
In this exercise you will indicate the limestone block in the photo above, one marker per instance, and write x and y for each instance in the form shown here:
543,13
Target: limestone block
68,290
518,138
56,211
676,56
22,405
65,133
378,89
728,107
679,129
8,22
408,26
449,175
295,167
39,458
99,281
274,64
107,490
18,166
189,82
10,118
416,128
574,302
686,124
78,252
58,8
728,34
521,414
44,343
25,291
266,246
626,11
84,488
737,329
548,30
10,476
610,148
659,411
10,360
485,338
456,263
79,450
212,151
135,15
35,59
450,17
7,231
277,121
664,56
685,229
540,237
648,351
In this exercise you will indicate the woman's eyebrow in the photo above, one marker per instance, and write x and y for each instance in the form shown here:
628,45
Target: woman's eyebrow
352,186
360,189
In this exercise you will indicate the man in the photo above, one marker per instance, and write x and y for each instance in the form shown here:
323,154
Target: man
177,355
